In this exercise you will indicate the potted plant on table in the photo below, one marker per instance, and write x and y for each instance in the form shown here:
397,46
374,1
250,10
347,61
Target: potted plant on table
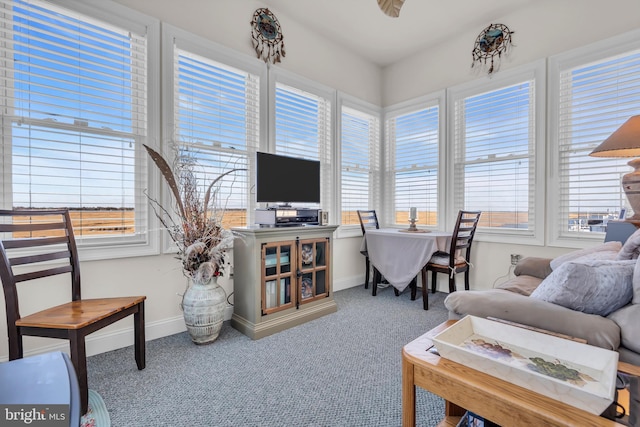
195,226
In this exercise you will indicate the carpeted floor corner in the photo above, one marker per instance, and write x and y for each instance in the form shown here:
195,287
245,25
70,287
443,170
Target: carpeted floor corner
343,369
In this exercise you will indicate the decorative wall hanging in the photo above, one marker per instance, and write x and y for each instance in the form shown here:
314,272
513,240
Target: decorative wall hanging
391,7
493,41
267,36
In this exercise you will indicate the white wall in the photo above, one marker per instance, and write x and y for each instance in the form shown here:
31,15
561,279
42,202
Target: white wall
308,54
545,28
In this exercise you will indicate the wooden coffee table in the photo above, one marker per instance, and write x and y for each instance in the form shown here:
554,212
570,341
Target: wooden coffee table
492,398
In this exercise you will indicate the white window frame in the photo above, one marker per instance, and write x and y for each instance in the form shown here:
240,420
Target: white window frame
327,151
594,52
145,242
387,210
205,48
534,71
375,161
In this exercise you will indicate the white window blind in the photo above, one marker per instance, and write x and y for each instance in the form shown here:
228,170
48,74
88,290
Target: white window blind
412,165
360,136
75,115
303,130
216,110
595,98
495,154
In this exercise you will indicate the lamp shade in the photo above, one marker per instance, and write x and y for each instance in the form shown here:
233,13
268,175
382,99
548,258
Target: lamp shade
624,142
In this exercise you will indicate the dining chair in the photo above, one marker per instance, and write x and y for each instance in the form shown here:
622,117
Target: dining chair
369,220
457,260
36,244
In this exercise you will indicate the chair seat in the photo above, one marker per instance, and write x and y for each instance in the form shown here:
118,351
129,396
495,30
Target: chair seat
444,262
78,314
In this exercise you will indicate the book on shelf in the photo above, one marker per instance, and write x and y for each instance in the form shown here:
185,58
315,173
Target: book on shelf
474,420
270,294
282,291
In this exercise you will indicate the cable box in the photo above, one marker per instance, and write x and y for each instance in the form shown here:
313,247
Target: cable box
283,217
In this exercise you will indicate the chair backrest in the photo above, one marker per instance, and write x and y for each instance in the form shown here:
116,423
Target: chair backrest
40,244
462,235
368,220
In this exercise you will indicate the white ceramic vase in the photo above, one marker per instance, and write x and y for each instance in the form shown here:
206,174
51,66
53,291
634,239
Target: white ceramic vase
203,306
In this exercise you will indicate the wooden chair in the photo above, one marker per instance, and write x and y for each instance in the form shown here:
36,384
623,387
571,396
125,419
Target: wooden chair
457,260
369,220
40,244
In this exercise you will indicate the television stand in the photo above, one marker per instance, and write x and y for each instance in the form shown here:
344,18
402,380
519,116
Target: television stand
282,277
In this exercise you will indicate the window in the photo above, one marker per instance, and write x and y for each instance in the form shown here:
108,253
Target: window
75,115
216,120
413,135
303,126
494,149
360,163
595,89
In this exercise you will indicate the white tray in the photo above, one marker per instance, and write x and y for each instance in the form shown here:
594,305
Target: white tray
578,374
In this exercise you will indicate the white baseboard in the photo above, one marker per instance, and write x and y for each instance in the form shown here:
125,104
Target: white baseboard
101,342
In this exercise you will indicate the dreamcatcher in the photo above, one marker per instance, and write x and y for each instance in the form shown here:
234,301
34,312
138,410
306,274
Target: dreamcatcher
493,41
267,36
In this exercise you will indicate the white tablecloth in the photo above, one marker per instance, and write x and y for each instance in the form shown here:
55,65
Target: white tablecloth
399,256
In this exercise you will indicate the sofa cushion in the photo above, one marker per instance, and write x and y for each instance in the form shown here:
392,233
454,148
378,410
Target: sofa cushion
594,287
608,250
522,284
597,330
631,248
628,356
628,319
636,284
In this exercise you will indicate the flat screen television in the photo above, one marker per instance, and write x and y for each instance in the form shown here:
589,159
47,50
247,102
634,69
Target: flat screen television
286,180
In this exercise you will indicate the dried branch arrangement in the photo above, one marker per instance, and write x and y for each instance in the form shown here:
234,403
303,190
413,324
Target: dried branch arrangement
201,240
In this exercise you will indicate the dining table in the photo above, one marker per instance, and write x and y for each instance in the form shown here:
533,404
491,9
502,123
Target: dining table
400,254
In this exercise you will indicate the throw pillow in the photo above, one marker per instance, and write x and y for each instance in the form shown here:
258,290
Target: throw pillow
601,251
594,287
522,285
631,248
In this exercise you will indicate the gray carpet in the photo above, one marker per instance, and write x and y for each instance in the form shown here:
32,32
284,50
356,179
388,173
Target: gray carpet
343,369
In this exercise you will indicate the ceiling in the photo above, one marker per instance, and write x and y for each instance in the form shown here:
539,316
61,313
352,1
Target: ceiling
360,25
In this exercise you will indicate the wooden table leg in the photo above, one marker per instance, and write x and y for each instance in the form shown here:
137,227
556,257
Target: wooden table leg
453,410
408,395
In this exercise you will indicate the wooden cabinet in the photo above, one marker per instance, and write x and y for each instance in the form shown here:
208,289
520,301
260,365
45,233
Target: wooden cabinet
282,277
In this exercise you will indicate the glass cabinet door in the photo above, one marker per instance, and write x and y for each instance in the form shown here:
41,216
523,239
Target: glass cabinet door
278,276
313,268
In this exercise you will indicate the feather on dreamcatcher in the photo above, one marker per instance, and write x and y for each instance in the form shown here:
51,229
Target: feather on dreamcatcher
495,40
267,36
391,7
